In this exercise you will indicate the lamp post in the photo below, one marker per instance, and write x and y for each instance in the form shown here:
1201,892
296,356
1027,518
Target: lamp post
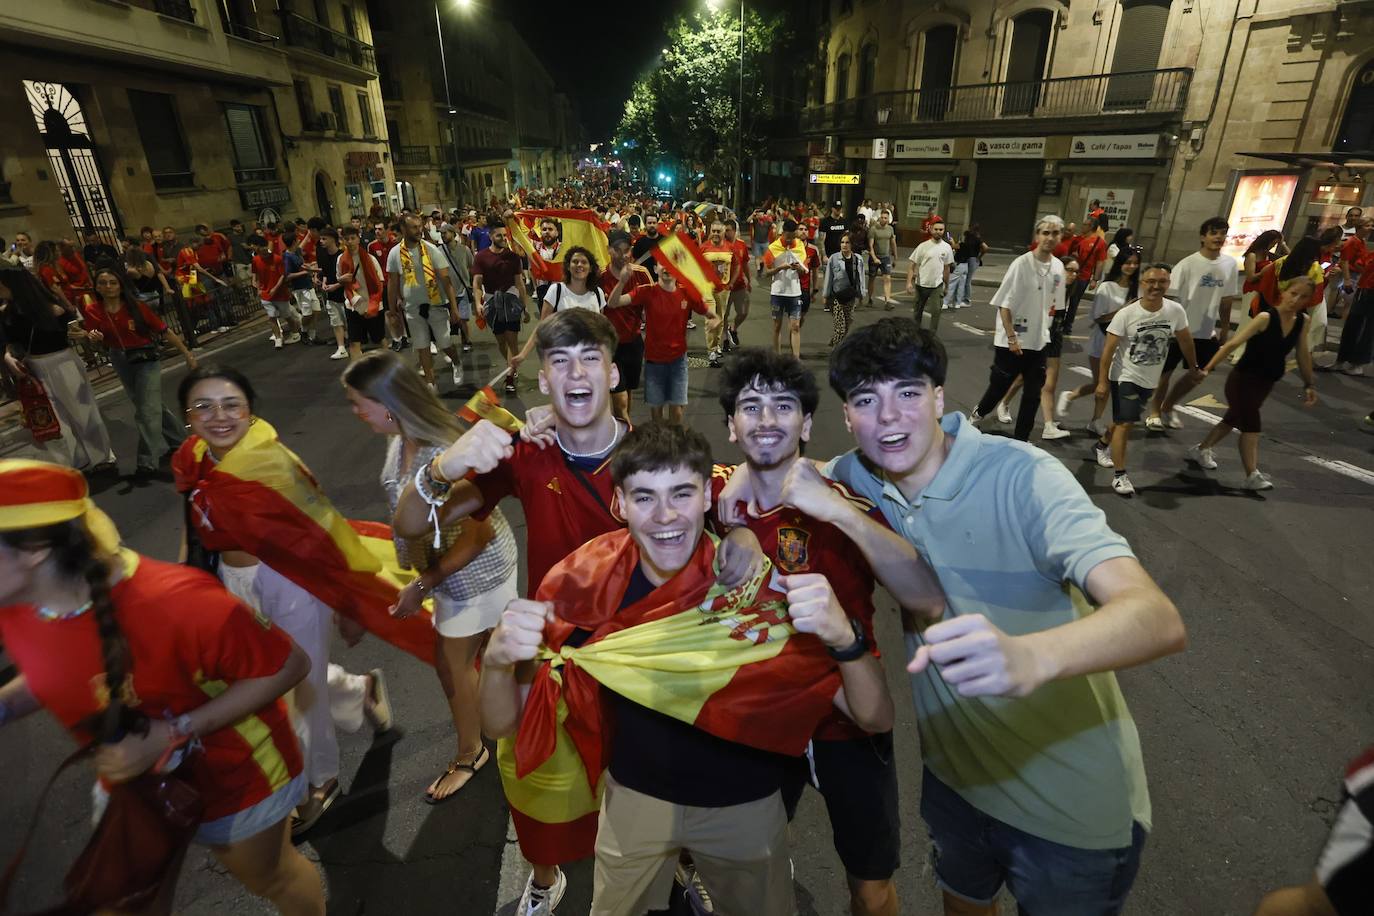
448,100
739,108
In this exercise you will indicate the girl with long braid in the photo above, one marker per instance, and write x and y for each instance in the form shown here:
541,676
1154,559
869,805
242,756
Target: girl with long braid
111,642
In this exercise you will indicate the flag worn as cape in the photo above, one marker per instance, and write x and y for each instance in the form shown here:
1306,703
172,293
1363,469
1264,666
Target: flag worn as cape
728,662
579,228
263,500
681,256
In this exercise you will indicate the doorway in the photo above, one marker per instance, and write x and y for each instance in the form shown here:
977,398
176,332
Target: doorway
74,161
937,72
1004,202
1030,49
324,201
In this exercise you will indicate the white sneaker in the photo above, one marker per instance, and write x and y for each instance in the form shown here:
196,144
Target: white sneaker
1355,370
1103,454
1061,403
1202,457
536,901
1052,431
1003,415
340,353
975,418
1097,426
1257,481
433,349
964,305
1155,423
293,338
276,342
433,387
691,325
1171,420
1122,485
1338,366
457,374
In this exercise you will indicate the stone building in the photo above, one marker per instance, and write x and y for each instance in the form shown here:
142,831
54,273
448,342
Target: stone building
480,97
994,111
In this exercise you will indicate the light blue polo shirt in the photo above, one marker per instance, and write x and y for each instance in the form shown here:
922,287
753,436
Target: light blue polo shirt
1008,530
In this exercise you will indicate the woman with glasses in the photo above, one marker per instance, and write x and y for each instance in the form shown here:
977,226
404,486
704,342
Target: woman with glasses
1117,289
281,548
131,333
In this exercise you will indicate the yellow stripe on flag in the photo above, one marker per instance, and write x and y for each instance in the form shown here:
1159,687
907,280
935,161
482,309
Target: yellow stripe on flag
681,256
257,735
486,405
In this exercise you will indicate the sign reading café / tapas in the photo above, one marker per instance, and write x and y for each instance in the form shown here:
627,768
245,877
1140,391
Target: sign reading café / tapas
1009,148
834,179
1114,146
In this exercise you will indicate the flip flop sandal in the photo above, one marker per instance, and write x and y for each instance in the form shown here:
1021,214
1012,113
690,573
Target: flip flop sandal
454,766
300,825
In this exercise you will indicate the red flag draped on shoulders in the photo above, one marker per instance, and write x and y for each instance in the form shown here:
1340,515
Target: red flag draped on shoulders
261,499
728,662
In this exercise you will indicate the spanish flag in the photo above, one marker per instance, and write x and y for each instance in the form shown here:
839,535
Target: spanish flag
682,258
486,405
728,662
262,499
580,228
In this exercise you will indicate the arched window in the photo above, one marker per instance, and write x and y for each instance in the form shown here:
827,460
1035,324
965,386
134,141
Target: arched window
73,158
842,77
868,69
1357,127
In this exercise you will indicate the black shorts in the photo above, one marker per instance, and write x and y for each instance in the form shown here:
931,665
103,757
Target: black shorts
506,327
1056,344
805,300
1206,349
858,779
365,328
1129,402
629,359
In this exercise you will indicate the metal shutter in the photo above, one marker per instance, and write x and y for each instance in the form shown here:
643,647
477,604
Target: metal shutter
244,136
1004,202
1138,43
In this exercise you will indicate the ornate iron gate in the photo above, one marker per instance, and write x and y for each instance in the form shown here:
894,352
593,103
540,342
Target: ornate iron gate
75,164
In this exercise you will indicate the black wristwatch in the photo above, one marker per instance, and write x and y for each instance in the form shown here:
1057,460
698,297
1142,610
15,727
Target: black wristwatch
856,649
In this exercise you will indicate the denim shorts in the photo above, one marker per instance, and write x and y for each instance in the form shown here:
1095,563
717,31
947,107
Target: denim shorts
1129,401
974,855
883,267
666,383
791,306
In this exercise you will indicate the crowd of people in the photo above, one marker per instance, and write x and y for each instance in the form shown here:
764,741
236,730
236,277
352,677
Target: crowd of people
608,696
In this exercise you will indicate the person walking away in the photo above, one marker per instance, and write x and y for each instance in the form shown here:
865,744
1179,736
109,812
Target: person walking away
1120,286
1270,336
931,263
1031,291
460,258
269,276
332,287
760,235
1207,284
470,576
132,334
213,254
741,285
967,258
783,261
882,235
502,299
300,281
845,281
1356,348
36,334
1132,359
418,284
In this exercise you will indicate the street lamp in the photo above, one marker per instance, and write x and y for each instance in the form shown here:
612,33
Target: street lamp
448,100
716,6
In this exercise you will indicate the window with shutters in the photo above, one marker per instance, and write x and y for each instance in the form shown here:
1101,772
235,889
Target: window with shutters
868,69
248,142
336,104
365,115
1139,39
938,46
305,101
155,114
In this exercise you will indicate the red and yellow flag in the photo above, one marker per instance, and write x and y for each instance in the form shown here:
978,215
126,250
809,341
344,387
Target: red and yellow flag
580,228
728,662
262,499
486,405
682,258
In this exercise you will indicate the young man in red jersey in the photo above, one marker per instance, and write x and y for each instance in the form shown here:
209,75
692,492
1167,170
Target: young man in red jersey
269,276
566,492
807,524
720,255
627,318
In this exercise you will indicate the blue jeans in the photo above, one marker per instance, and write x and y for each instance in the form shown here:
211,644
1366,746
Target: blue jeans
158,429
975,855
666,383
961,282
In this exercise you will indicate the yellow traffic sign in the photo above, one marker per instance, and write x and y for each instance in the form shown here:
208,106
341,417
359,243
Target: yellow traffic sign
834,179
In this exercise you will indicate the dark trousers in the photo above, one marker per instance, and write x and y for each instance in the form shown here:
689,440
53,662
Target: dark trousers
1006,366
1071,307
1357,337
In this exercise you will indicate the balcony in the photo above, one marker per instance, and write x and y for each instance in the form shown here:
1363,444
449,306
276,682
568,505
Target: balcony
1104,96
412,156
309,35
173,9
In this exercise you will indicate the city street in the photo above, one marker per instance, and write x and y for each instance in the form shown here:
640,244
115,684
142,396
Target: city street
1245,734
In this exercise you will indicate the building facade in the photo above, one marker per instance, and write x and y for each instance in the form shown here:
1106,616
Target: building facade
991,112
476,95
174,112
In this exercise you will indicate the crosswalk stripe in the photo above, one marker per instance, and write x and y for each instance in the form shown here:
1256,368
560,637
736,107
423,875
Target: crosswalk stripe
970,328
1082,370
1342,467
1197,412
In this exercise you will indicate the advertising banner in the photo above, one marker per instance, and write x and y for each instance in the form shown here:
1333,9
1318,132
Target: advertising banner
1261,202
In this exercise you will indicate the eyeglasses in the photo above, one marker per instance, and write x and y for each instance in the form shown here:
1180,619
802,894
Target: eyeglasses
205,410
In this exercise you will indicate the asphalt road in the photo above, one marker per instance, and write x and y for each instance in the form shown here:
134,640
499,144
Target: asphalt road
1244,735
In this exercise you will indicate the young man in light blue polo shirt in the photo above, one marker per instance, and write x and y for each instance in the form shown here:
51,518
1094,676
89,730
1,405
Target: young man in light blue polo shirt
1033,772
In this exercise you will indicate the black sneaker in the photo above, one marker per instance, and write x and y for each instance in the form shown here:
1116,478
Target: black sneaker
734,336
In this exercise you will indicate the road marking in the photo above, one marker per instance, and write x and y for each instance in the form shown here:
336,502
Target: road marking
971,329
1208,401
1342,467
1200,414
514,873
1082,370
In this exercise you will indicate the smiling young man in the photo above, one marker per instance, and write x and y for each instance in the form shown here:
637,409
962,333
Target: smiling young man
807,524
675,785
1033,771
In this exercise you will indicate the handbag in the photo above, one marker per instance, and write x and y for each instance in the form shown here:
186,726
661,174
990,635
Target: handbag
36,411
137,846
144,354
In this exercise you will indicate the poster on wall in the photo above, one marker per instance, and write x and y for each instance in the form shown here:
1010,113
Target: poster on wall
1115,203
922,197
1260,203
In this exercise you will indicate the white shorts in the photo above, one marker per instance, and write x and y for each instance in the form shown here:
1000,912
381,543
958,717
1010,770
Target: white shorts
424,331
336,313
276,309
307,301
456,618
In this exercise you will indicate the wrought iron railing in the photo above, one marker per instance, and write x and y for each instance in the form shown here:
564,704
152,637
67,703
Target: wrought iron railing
301,32
177,9
1133,92
412,155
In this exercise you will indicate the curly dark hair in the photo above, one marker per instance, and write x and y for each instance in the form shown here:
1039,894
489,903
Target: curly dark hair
767,370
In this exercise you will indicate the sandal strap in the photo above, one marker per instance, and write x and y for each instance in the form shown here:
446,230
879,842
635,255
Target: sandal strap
454,766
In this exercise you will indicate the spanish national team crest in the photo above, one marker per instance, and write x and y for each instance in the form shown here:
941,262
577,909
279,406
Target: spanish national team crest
792,555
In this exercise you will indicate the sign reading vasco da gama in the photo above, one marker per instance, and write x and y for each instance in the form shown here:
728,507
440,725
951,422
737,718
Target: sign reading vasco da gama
1009,148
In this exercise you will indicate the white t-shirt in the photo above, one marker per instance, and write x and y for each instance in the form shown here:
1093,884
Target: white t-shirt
786,282
1031,291
1109,297
930,258
560,297
1144,344
1199,284
417,293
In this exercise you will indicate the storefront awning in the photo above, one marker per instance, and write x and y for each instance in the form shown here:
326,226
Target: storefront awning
1354,161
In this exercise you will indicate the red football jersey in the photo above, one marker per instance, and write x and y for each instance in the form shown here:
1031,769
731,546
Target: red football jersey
628,318
189,640
797,543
